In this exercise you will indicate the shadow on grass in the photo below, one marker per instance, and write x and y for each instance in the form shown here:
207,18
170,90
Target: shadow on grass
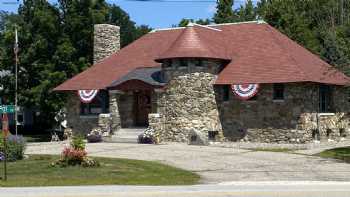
342,153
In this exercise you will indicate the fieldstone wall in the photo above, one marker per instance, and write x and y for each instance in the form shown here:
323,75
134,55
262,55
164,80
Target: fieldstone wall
106,41
293,120
79,124
188,103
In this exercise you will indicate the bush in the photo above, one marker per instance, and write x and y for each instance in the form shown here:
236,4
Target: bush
147,137
74,157
95,136
78,142
16,146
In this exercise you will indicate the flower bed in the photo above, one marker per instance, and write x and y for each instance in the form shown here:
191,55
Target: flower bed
75,155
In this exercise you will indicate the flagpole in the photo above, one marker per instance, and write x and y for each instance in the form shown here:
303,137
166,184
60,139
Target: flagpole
16,86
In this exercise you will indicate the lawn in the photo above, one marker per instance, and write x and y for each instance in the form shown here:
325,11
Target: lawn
342,153
36,171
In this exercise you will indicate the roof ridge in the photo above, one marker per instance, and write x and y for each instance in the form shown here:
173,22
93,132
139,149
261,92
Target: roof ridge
204,26
211,25
279,44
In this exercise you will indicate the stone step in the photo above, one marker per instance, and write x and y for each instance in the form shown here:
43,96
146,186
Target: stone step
125,135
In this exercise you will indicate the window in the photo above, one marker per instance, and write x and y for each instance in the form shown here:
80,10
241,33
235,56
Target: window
97,106
325,100
198,63
254,98
278,91
167,63
226,93
183,63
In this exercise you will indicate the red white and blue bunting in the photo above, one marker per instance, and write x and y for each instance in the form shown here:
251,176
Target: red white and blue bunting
86,96
245,91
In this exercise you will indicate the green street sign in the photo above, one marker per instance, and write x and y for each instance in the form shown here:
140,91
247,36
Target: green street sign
7,109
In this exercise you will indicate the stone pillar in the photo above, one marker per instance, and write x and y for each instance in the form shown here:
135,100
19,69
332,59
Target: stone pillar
106,41
114,110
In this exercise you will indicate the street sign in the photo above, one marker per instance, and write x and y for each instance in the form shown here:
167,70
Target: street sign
6,109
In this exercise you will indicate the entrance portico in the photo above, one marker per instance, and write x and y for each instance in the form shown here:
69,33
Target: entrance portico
132,98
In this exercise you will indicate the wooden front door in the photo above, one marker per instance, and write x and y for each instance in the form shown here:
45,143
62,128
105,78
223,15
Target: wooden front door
142,107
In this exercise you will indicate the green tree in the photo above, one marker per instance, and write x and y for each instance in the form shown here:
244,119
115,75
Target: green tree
184,22
224,13
56,43
247,12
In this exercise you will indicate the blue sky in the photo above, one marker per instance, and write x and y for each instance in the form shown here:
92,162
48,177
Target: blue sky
155,14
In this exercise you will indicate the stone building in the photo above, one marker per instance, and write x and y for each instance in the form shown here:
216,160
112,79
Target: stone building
180,82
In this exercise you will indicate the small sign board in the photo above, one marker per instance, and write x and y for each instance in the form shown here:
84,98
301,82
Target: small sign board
5,125
6,109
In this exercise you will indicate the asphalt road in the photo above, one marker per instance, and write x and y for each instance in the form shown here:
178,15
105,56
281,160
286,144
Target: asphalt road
250,189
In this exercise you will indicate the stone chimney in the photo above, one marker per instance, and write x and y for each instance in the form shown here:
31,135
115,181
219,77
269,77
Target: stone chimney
106,41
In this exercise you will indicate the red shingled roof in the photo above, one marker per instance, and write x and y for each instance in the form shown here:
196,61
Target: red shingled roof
258,53
197,41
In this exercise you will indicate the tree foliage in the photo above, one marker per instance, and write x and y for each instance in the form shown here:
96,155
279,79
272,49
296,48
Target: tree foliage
184,22
56,43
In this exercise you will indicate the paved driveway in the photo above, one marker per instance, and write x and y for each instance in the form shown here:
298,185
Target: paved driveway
218,164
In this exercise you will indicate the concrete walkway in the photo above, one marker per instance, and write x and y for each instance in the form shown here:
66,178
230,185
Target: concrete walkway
219,164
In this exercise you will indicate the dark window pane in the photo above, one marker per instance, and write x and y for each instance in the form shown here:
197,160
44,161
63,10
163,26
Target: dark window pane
325,100
99,105
198,63
254,98
167,63
226,93
278,91
183,63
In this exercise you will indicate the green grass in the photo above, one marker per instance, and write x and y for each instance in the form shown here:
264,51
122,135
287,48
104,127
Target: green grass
36,171
281,150
342,153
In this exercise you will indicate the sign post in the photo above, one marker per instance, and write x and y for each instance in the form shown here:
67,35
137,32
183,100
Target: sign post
5,129
4,110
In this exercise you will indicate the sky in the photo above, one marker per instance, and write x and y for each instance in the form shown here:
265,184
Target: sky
156,14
